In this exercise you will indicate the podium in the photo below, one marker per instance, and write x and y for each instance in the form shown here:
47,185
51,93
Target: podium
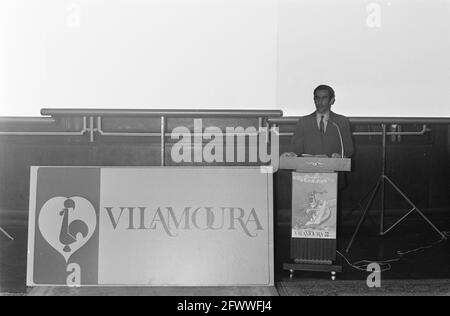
314,213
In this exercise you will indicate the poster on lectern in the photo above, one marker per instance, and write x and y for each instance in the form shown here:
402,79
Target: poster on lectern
150,226
314,204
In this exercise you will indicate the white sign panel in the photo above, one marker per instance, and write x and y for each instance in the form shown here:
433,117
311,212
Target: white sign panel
150,226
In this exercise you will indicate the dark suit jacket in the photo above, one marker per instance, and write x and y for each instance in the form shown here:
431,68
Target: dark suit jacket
307,138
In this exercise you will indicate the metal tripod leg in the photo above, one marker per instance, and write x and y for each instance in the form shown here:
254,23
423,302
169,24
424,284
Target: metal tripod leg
6,234
415,208
363,216
361,207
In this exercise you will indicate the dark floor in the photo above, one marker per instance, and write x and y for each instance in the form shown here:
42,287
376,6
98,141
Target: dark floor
427,264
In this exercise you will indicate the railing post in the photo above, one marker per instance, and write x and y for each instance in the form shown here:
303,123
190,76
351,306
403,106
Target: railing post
163,140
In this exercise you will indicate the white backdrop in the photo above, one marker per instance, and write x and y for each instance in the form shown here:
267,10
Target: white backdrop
384,57
136,54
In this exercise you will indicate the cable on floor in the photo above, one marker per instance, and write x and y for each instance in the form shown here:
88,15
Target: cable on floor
385,265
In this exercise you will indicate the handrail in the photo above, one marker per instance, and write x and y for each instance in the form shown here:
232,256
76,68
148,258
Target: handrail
75,133
27,120
291,120
421,132
270,119
159,112
100,130
424,130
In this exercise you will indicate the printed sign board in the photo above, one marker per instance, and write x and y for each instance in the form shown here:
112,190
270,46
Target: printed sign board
314,205
150,226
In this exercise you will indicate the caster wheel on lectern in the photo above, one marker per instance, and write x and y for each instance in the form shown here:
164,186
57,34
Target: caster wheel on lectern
333,276
291,274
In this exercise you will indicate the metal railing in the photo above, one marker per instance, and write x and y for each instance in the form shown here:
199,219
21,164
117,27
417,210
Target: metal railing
155,113
424,121
95,116
92,122
41,122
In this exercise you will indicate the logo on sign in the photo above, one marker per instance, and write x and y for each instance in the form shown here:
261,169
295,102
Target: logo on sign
67,223
171,219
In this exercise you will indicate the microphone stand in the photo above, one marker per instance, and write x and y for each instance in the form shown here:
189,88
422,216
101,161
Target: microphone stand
340,138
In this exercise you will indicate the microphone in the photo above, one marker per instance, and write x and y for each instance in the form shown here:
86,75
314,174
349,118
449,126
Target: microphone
340,137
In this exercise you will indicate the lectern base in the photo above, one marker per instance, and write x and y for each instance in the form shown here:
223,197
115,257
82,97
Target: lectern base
333,267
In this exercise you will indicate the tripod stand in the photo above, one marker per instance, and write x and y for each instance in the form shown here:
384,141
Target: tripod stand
380,185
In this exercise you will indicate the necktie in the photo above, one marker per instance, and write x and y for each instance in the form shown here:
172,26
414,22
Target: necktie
322,125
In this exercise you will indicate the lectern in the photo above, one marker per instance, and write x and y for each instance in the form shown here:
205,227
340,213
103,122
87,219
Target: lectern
314,212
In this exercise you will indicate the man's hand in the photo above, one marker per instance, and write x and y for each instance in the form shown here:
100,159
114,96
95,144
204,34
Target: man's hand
336,155
289,154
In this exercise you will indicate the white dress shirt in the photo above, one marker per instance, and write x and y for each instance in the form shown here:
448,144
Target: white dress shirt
326,117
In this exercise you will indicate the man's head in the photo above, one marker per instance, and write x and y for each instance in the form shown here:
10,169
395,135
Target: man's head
323,98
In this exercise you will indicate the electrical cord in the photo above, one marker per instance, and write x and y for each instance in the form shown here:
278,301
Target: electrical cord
403,253
385,265
363,264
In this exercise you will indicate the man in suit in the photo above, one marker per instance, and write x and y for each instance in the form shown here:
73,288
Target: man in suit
321,132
